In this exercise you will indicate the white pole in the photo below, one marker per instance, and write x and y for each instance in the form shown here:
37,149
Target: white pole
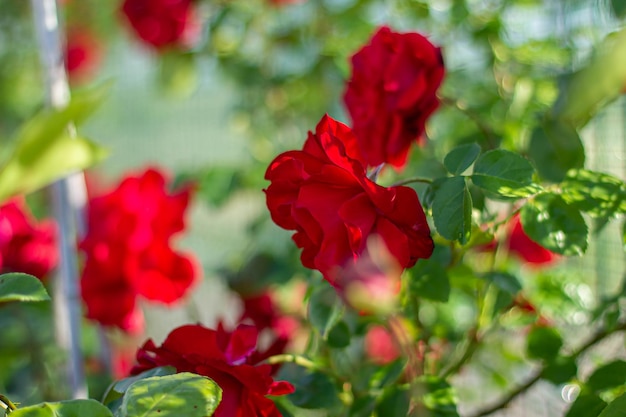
68,202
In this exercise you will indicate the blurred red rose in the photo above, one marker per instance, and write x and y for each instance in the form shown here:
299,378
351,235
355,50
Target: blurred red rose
26,245
519,244
128,250
225,358
391,93
380,347
323,193
83,54
163,23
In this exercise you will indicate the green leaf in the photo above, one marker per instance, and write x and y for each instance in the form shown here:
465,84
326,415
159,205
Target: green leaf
394,402
118,388
504,174
362,407
461,158
560,370
182,394
428,279
505,281
586,405
21,287
619,8
600,195
452,210
339,336
608,376
388,374
589,89
616,408
440,397
555,148
325,309
624,236
314,390
550,221
71,408
543,343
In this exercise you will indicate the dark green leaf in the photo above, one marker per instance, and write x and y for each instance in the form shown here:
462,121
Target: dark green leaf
616,408
71,408
555,148
589,89
388,374
325,309
543,343
452,210
339,335
314,390
586,405
505,281
21,287
608,376
599,195
394,402
550,221
171,395
428,279
461,157
560,370
619,8
504,174
362,407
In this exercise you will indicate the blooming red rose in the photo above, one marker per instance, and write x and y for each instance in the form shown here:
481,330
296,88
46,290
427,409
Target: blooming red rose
128,250
26,245
524,247
225,358
162,23
323,193
83,54
391,93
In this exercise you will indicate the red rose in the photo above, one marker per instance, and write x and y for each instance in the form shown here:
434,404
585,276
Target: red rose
26,245
380,347
162,23
391,93
323,193
523,246
83,54
225,358
128,250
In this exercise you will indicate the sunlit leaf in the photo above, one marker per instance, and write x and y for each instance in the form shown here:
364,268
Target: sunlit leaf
597,194
461,158
452,210
21,287
439,397
550,221
171,395
70,408
118,388
616,408
504,174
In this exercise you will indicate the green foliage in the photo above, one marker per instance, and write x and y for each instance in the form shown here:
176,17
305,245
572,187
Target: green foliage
554,224
439,397
543,343
505,281
325,310
394,402
611,375
587,404
560,370
70,408
504,174
597,194
21,287
461,158
616,408
313,390
45,149
171,395
118,388
429,280
452,209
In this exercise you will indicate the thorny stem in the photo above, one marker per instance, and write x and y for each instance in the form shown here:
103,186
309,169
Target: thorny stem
536,376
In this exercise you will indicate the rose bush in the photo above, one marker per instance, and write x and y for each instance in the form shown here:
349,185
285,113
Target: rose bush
391,92
225,357
128,250
323,193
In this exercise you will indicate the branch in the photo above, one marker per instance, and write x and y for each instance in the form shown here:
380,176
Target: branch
536,376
